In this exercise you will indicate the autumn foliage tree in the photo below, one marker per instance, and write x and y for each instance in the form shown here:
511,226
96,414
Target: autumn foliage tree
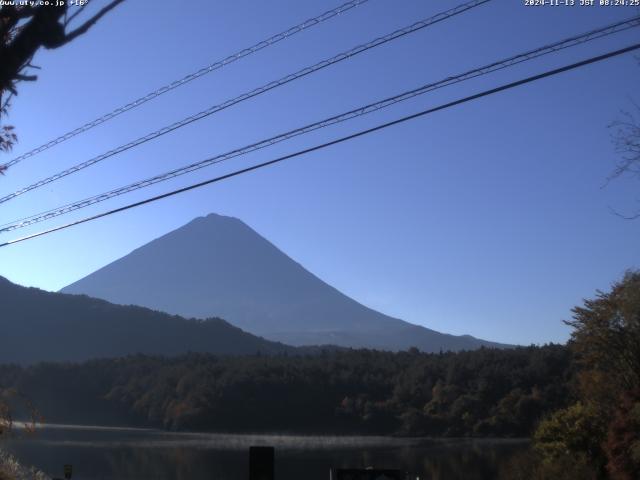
603,426
622,446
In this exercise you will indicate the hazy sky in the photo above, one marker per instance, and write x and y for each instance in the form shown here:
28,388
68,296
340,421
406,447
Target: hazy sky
488,218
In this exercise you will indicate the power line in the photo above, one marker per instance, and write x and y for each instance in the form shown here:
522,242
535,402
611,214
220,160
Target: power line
253,93
490,68
361,133
188,78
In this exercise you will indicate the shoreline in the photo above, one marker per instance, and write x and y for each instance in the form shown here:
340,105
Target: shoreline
293,434
240,441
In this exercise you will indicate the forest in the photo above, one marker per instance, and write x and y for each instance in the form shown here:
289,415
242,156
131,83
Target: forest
485,392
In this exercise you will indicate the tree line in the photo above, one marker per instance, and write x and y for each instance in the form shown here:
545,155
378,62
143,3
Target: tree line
488,392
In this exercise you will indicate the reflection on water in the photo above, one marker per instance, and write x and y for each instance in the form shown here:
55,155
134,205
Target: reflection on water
139,454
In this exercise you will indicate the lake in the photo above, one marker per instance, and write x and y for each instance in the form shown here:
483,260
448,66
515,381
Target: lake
103,453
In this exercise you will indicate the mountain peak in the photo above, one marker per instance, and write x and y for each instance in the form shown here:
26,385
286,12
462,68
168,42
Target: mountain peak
219,217
213,219
217,266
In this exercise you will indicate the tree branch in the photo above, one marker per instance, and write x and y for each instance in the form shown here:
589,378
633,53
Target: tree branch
625,217
75,14
26,78
84,28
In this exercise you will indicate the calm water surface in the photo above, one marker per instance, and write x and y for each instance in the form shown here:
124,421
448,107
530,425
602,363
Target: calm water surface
99,453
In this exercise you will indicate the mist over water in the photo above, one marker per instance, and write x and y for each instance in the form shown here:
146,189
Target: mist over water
106,453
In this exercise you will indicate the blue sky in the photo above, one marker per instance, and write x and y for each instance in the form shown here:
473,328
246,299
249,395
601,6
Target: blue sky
487,219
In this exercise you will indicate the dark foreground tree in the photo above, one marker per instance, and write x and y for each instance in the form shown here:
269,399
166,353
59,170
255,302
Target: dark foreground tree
26,29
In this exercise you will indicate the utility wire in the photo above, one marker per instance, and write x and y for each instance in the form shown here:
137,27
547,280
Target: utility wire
253,93
188,78
495,66
361,133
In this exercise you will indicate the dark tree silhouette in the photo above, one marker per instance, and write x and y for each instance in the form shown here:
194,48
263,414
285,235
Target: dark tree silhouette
23,31
626,139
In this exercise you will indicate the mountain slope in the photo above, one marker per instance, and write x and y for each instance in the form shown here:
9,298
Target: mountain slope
218,266
42,326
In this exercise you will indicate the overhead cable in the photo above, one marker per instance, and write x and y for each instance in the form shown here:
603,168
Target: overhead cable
361,133
248,95
188,78
387,102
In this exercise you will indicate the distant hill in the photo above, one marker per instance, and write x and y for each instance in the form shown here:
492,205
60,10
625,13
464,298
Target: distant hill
41,326
218,266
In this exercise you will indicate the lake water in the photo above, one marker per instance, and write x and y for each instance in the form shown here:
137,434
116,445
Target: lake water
99,453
